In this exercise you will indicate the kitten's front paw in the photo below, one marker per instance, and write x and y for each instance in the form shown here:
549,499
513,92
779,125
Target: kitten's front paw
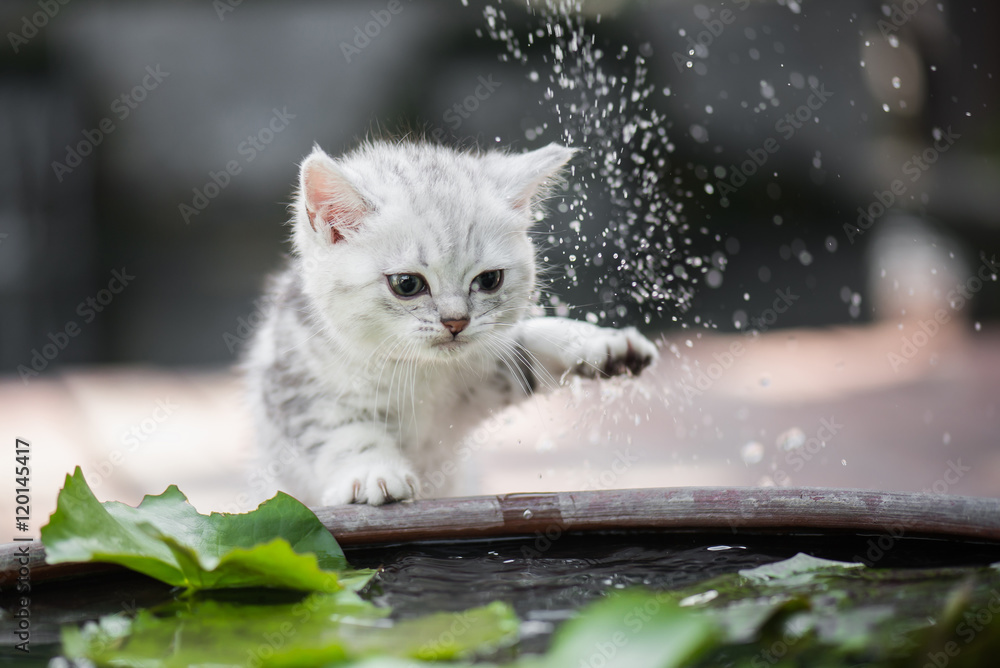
374,481
613,352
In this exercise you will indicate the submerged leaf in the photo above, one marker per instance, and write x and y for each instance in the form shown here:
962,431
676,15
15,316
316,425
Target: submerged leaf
798,569
280,544
318,629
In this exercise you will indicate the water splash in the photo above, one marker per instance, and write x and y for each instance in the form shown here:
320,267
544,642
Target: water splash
604,104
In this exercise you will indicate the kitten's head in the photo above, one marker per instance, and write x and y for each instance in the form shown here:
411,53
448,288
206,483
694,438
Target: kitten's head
416,251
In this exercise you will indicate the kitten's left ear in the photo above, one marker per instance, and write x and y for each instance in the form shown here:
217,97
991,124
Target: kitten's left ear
533,172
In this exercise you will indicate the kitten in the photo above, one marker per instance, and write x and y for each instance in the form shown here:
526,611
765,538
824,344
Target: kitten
403,318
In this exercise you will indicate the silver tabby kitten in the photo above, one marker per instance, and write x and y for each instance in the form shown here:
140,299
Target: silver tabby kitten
403,318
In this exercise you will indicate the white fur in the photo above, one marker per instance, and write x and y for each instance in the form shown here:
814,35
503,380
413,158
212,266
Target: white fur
358,392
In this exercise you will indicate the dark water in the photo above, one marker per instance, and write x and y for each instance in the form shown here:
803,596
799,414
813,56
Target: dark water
544,580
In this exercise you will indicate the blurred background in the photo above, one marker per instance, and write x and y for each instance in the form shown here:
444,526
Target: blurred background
812,182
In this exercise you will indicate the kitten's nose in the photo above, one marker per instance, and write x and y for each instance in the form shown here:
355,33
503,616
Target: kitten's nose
455,326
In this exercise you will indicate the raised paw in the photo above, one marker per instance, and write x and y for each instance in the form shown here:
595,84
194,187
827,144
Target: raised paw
614,352
374,482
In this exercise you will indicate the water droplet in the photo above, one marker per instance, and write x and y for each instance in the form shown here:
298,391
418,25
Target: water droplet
698,133
752,452
528,514
895,82
792,439
697,599
544,444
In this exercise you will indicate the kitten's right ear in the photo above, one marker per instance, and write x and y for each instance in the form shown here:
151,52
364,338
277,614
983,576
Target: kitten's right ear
329,199
532,173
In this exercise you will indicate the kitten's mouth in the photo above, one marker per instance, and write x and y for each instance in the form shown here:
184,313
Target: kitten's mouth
451,345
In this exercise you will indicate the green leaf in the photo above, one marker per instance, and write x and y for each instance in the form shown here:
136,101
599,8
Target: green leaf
281,544
319,629
627,630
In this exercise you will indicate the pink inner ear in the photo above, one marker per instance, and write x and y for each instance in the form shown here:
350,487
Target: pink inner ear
330,200
338,216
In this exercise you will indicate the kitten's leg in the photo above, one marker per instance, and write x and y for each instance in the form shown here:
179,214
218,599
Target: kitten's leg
560,346
342,456
361,463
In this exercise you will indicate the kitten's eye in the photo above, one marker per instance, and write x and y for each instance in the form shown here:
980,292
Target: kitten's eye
407,285
488,281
